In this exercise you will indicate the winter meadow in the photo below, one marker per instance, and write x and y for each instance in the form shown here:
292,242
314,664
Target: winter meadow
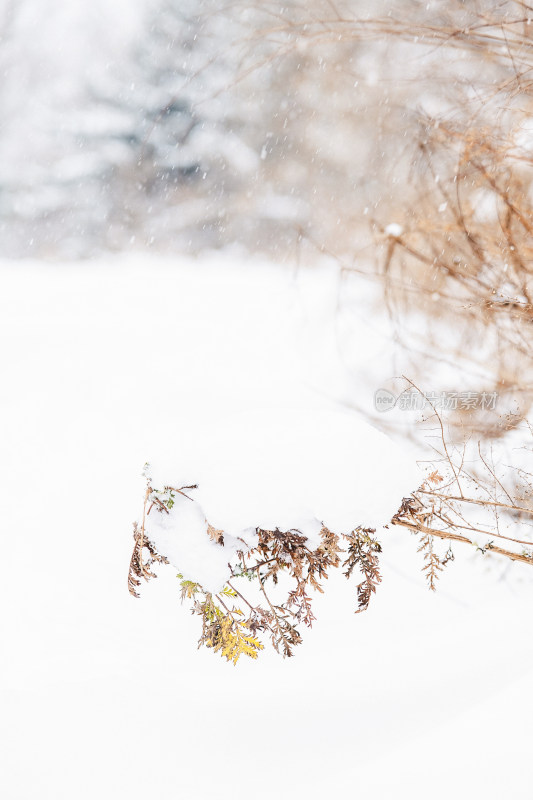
266,382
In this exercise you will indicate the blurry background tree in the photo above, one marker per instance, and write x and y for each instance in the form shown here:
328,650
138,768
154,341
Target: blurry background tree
450,165
200,125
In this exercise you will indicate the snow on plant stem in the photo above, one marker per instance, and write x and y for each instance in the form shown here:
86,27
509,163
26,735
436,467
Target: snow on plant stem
277,470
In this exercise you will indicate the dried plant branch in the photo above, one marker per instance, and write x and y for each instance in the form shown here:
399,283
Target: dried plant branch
417,527
140,568
233,631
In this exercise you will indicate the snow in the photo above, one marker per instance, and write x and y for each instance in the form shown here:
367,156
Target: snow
106,365
279,469
394,229
181,535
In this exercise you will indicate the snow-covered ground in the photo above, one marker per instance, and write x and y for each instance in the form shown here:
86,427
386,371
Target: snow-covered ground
106,366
